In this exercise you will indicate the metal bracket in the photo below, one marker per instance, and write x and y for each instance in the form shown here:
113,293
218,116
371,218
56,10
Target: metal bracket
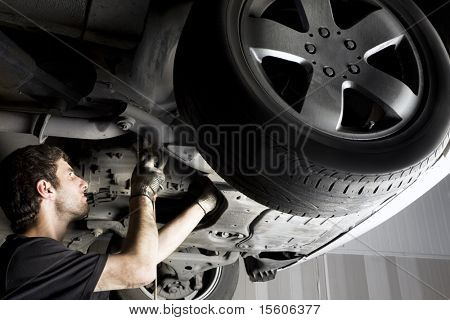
264,267
187,265
190,156
99,226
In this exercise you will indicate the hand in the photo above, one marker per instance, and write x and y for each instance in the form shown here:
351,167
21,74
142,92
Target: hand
147,178
206,193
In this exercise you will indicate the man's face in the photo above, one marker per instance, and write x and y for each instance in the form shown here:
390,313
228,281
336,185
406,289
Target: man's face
70,198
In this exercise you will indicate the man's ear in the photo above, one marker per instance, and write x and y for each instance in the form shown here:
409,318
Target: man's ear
45,189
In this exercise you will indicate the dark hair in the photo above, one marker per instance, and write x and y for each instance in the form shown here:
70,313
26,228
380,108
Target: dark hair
19,174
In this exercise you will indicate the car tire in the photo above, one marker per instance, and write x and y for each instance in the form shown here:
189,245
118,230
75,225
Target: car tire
219,82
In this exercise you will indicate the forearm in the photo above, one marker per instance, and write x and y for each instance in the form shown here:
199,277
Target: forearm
141,241
172,235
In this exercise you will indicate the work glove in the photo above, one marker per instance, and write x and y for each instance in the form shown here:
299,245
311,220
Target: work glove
204,193
147,177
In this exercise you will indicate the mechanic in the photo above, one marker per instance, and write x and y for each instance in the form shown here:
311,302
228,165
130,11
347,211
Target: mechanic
40,195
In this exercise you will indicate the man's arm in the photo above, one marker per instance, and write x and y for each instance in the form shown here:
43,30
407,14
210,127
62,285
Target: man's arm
135,265
172,235
176,231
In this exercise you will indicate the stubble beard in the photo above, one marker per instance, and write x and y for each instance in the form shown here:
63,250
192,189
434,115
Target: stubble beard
77,212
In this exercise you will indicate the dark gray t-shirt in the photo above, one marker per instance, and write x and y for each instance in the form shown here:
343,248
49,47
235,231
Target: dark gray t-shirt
43,268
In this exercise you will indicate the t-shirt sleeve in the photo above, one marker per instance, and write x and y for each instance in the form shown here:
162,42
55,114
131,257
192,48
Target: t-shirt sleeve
45,269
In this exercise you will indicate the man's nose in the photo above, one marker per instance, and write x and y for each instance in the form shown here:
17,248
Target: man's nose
84,185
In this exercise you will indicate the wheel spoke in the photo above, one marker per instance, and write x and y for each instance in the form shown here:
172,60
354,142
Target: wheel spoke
270,35
322,107
318,12
375,30
389,90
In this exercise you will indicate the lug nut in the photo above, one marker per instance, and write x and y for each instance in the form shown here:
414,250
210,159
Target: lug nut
353,68
329,71
310,48
324,32
350,44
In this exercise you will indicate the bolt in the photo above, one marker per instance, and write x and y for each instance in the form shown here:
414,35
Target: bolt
125,123
173,290
324,32
350,44
97,232
310,48
353,68
124,126
329,71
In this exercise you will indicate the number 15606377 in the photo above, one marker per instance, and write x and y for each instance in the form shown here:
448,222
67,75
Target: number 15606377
289,309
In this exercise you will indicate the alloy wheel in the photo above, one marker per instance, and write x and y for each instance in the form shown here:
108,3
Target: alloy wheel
346,68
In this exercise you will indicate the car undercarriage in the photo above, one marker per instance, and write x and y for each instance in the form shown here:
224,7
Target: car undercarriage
105,80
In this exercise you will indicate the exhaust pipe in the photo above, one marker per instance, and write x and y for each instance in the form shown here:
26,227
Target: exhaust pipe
44,125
